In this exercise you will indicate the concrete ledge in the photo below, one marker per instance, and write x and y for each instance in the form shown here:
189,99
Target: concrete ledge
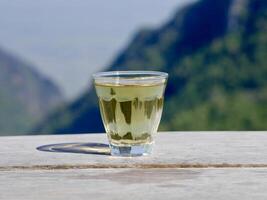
184,165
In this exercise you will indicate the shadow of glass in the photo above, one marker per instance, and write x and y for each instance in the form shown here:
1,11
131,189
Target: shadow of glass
85,148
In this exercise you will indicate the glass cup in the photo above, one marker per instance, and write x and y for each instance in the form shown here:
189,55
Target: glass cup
131,104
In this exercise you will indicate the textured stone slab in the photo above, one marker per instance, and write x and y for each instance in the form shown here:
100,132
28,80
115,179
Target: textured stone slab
184,165
176,148
132,184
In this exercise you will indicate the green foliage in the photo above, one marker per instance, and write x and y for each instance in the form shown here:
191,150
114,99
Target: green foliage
241,111
226,85
218,75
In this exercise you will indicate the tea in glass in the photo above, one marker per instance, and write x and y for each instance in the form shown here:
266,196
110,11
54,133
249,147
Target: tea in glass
131,104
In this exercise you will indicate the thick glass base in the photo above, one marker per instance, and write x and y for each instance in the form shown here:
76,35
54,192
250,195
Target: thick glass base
131,151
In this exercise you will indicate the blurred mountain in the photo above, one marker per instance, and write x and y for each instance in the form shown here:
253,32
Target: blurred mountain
215,53
25,95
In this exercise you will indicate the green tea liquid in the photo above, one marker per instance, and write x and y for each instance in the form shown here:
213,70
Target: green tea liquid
131,113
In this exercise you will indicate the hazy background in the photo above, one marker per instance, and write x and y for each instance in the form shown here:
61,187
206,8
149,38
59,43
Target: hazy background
68,40
214,51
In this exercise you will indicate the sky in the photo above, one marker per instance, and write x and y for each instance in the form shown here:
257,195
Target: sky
68,40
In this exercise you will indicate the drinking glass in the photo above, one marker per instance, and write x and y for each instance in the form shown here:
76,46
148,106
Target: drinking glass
131,104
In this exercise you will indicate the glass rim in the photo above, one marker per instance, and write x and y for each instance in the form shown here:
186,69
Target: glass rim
121,74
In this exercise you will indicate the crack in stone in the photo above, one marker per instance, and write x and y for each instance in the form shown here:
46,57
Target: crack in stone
131,166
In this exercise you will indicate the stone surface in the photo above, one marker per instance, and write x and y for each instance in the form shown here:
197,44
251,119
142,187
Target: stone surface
132,184
184,165
170,148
